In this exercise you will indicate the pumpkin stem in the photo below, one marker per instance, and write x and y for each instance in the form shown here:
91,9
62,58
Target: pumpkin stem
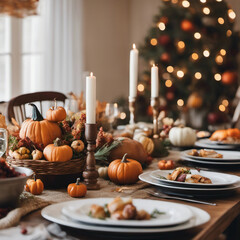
78,180
55,103
124,160
57,142
36,115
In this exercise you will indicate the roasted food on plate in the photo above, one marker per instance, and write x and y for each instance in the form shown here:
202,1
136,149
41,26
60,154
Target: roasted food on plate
183,174
229,136
205,153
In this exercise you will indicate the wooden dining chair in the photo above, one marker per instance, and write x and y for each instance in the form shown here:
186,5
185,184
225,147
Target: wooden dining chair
17,105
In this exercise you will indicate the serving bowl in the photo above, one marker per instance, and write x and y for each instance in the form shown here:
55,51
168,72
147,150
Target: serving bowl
11,188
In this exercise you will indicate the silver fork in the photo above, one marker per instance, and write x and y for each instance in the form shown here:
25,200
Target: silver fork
165,196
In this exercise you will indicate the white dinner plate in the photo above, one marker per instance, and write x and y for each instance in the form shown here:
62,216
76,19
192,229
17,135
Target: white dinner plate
218,179
215,163
227,155
54,213
179,189
173,213
206,143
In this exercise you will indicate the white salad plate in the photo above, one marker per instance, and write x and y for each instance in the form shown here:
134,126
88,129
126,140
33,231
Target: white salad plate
215,163
184,190
172,213
218,179
227,155
54,213
206,143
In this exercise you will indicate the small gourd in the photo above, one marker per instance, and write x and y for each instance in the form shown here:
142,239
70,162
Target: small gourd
77,189
56,113
37,154
147,142
77,145
103,172
124,171
34,186
57,152
182,136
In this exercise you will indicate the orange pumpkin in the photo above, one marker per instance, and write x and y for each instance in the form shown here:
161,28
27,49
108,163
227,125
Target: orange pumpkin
124,171
56,113
34,186
166,165
57,152
39,130
77,189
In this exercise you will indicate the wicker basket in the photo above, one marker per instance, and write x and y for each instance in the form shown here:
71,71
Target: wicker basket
53,174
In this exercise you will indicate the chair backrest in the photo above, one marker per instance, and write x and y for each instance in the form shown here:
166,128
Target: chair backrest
17,105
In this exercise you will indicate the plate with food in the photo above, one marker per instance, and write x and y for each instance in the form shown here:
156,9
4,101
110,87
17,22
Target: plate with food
178,189
191,177
206,143
212,154
53,213
229,136
123,212
211,162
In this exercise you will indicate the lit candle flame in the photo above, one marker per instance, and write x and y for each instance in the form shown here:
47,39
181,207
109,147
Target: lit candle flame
134,46
153,64
91,74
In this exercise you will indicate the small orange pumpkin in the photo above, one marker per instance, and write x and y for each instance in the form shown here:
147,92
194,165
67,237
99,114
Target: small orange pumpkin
34,186
166,165
57,152
124,171
56,113
39,130
77,189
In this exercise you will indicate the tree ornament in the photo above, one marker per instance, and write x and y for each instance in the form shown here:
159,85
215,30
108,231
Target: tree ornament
164,40
164,20
229,77
165,58
187,26
170,96
194,100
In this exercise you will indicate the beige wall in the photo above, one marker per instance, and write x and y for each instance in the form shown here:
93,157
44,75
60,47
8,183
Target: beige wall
111,26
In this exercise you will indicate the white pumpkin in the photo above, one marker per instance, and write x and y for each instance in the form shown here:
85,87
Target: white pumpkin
182,136
103,172
147,142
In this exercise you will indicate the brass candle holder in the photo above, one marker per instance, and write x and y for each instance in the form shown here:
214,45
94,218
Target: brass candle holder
155,107
90,174
132,101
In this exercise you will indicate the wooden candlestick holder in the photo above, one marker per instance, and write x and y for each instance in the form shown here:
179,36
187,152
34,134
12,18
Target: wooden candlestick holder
90,174
132,101
155,107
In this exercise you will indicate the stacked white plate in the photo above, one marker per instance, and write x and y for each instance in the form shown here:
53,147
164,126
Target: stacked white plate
222,184
229,158
174,217
207,143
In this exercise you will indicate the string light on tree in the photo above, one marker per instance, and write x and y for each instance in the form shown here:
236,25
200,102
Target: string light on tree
174,1
217,77
197,35
140,87
170,69
198,75
223,52
222,108
206,10
225,102
180,73
123,115
203,1
206,53
231,14
229,33
219,59
181,45
195,56
221,20
153,41
168,83
180,102
218,0
162,26
185,3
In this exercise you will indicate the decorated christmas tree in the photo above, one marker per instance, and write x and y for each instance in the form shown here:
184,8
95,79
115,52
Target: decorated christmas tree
195,46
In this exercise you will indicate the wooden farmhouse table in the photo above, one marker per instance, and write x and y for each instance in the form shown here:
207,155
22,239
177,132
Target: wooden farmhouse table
225,215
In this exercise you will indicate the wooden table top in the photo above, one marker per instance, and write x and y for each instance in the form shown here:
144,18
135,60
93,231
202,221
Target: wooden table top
222,215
